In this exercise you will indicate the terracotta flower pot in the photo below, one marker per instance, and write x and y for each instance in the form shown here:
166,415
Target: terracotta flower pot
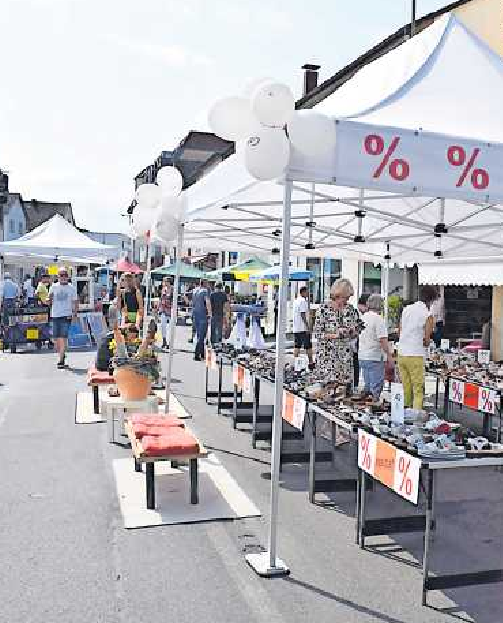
131,385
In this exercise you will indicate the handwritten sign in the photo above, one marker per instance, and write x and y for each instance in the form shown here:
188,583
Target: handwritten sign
397,403
484,356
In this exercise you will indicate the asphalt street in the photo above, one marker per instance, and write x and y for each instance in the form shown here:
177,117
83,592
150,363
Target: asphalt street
66,556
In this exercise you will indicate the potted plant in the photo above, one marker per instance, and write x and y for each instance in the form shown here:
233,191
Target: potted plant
135,374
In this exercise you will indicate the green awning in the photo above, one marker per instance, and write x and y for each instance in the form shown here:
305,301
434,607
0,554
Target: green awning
187,271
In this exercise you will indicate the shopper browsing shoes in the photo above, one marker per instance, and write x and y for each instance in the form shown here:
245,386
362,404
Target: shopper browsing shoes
64,305
302,326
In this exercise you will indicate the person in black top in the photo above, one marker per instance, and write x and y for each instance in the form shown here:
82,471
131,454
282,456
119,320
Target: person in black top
218,300
132,302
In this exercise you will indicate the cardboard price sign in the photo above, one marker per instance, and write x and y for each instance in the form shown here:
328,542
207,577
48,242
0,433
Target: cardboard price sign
238,375
294,410
396,469
473,396
397,403
484,356
247,382
211,359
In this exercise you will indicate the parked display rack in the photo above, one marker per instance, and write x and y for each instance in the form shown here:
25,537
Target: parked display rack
26,324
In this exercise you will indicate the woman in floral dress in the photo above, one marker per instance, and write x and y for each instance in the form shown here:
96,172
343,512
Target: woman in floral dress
336,326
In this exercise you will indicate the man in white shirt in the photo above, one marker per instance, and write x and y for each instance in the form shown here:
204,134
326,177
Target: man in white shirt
64,306
28,289
301,326
374,347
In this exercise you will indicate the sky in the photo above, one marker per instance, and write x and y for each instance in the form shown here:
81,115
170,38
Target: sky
93,90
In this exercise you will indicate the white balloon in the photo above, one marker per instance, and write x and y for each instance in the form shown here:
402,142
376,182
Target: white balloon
253,85
148,196
311,132
231,118
143,219
267,153
166,226
173,207
273,104
170,181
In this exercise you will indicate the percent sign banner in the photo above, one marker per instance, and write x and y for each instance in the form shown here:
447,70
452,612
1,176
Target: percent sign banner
416,162
396,469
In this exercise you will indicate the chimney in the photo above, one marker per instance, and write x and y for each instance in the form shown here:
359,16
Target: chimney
310,77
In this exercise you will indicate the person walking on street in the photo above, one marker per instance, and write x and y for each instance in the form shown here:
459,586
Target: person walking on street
374,347
165,303
416,328
64,306
132,302
201,311
28,289
9,293
218,300
302,326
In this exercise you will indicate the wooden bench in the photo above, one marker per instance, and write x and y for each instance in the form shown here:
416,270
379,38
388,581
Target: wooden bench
140,456
95,379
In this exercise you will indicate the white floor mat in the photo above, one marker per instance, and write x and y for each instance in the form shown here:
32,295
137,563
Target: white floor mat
84,409
220,497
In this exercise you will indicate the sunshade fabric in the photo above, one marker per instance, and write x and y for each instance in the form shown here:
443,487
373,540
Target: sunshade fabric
422,83
125,266
242,270
273,274
473,273
186,271
57,238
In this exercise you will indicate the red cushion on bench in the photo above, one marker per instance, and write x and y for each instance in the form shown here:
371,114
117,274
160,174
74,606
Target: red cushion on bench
141,430
177,442
95,377
149,419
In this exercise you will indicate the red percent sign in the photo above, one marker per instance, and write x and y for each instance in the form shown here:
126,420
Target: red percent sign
398,169
456,391
365,449
487,403
456,156
403,469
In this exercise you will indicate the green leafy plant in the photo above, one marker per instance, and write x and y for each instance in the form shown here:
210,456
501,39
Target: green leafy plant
395,307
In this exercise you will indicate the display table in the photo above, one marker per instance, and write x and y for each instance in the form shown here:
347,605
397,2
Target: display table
114,409
402,473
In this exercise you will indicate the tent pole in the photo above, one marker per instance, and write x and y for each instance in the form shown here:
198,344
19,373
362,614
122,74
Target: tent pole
266,564
147,288
174,314
386,293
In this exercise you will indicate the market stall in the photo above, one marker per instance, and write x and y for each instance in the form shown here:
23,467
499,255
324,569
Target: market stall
407,180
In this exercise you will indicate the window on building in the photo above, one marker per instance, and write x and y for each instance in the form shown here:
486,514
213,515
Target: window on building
313,264
12,227
21,229
372,278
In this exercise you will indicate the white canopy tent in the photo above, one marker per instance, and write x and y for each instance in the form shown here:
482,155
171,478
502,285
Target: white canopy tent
415,175
474,272
57,239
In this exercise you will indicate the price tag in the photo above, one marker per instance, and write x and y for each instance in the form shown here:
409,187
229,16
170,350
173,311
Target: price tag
294,410
488,400
397,403
444,344
484,356
456,391
396,469
247,384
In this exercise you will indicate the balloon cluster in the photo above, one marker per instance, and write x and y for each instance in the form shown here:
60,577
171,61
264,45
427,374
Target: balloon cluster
266,119
159,207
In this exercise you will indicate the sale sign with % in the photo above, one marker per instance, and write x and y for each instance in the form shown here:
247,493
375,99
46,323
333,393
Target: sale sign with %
397,168
407,470
456,391
488,400
366,451
458,157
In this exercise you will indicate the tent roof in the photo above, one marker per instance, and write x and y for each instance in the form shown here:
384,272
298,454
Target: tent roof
251,265
273,274
466,273
187,271
125,266
419,84
58,238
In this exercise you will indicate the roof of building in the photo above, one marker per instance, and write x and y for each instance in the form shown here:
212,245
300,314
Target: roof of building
37,212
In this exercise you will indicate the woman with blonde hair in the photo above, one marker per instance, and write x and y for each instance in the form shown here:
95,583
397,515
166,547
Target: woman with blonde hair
336,325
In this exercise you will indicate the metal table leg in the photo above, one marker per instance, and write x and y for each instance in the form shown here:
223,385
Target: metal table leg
219,399
194,489
436,390
333,427
96,399
358,499
137,465
256,407
427,532
446,398
235,406
312,457
150,485
363,486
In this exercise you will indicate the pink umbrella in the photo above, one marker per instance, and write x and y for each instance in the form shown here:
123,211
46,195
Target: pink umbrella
125,266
